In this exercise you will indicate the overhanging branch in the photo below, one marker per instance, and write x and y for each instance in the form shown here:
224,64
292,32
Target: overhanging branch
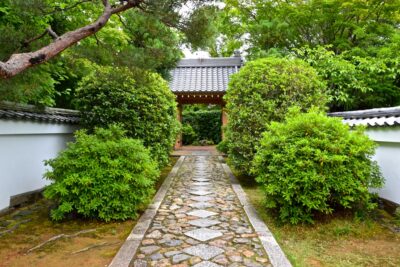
21,61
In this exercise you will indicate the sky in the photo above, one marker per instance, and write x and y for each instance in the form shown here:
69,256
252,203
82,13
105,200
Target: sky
186,9
197,54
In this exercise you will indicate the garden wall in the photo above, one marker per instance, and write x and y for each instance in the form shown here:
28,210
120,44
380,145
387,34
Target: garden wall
27,138
388,157
383,126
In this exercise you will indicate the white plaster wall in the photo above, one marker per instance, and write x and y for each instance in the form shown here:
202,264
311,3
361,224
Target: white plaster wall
388,157
24,146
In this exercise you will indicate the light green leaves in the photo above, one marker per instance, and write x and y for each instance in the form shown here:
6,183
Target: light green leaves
262,92
104,175
310,164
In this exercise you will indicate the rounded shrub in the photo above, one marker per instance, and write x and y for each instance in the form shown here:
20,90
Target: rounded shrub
139,100
261,92
104,175
311,163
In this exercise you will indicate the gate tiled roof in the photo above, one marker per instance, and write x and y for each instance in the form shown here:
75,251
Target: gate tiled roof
203,75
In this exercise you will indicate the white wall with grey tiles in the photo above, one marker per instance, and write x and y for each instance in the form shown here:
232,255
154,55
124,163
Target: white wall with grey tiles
388,157
24,145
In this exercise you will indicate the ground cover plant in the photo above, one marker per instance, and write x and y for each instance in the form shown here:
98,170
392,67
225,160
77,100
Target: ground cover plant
139,100
104,175
261,92
311,163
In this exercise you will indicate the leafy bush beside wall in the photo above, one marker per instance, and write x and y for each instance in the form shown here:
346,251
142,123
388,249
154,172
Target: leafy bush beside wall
261,92
139,100
104,175
312,163
206,125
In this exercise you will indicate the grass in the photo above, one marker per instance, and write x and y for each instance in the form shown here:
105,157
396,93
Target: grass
14,246
337,240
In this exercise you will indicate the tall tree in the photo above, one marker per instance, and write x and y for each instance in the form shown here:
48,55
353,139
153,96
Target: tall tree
148,36
353,44
86,18
284,24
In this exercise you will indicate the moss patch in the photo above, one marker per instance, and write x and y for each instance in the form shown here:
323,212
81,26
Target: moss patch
337,240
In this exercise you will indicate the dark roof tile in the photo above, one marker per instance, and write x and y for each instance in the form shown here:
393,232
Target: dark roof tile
12,111
204,75
371,117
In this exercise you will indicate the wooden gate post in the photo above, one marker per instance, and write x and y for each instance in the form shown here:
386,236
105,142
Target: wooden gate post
224,121
178,143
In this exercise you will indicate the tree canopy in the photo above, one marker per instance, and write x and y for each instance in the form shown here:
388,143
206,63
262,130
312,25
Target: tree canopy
358,25
146,34
353,44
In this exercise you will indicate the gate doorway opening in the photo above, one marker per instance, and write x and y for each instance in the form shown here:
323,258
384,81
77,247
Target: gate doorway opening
201,125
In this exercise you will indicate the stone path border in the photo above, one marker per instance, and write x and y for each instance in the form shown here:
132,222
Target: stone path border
131,244
274,251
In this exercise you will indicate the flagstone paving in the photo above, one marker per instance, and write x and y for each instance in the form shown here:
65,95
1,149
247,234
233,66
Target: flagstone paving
200,223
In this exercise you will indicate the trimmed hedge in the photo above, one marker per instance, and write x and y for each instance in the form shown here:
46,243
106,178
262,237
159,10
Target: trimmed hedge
311,163
139,100
105,176
206,125
261,92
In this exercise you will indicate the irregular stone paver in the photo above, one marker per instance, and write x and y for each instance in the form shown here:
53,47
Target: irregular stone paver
201,222
180,257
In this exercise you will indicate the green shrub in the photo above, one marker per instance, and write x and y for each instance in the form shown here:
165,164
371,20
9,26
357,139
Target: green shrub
205,123
261,92
223,146
104,175
140,100
311,163
189,136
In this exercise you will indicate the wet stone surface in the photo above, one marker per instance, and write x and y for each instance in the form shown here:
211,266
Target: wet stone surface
200,223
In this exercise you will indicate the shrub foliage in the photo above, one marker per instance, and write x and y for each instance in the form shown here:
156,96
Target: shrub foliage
104,175
261,92
312,163
140,100
205,123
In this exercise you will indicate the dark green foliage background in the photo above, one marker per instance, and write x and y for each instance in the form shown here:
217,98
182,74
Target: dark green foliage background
311,163
104,175
139,100
205,123
261,92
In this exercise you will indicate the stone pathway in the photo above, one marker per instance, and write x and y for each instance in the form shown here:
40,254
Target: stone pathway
200,223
